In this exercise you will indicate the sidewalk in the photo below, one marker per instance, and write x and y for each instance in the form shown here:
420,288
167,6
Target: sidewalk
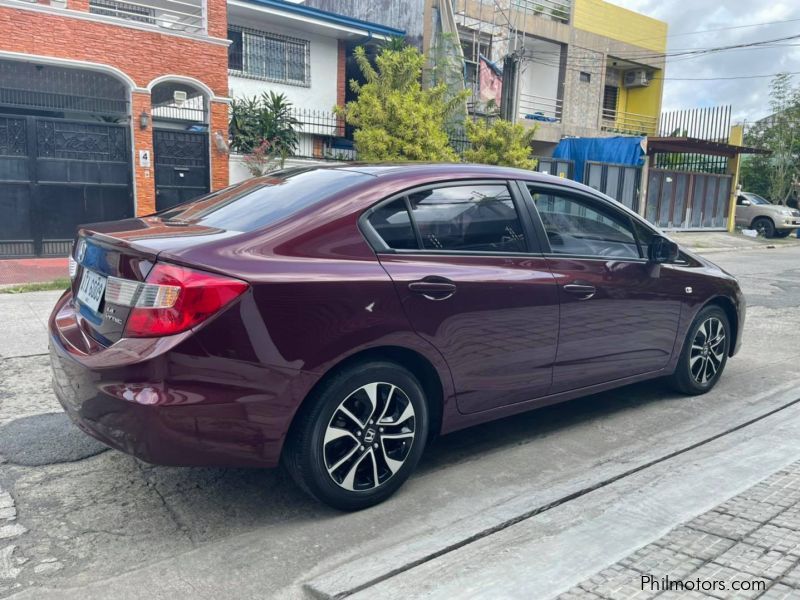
23,321
750,542
706,242
32,270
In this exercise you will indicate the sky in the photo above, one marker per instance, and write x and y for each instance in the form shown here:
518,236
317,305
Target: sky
749,97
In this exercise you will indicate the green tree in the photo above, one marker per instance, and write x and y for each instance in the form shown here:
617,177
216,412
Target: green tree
500,143
267,118
395,118
773,175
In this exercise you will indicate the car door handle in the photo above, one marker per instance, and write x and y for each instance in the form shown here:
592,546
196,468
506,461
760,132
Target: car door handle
583,290
433,290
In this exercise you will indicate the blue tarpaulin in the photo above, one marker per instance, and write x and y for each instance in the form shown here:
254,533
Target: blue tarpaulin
621,150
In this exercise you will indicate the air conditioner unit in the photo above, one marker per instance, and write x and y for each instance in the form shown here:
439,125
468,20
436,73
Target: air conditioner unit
636,78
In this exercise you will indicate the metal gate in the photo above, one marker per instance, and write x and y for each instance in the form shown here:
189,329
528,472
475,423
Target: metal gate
56,174
181,166
560,167
621,182
688,200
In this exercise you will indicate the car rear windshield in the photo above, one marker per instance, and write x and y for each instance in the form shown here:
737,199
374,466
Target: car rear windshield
263,201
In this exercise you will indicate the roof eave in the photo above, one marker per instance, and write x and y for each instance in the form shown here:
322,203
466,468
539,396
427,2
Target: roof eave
333,22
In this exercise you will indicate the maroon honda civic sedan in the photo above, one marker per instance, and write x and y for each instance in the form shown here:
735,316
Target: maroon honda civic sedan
335,319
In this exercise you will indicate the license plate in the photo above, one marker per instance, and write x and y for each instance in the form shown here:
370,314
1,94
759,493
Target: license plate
90,292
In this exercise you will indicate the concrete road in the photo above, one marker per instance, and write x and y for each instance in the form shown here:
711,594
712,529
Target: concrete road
106,525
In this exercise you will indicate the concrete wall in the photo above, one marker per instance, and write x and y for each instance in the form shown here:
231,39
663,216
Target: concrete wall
407,15
583,100
539,73
238,172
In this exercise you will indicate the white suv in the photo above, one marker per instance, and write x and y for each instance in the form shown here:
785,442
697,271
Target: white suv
770,220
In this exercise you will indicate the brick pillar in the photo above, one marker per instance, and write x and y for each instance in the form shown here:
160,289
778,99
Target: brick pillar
143,140
82,5
217,18
219,158
341,82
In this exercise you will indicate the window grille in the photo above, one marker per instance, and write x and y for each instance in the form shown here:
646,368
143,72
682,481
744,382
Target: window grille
268,56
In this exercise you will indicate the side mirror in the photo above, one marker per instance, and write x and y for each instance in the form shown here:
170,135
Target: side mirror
662,250
744,202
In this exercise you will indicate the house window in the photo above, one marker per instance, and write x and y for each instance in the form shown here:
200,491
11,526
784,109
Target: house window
474,44
610,95
268,56
586,77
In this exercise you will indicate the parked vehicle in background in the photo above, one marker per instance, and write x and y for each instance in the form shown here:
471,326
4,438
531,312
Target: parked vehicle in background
337,318
770,220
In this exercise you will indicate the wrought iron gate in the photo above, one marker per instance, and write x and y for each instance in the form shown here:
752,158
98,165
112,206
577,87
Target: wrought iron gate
181,166
56,174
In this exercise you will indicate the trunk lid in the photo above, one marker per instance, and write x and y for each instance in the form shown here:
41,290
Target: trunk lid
123,250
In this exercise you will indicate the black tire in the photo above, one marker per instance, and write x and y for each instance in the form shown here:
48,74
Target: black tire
764,226
308,457
687,377
783,233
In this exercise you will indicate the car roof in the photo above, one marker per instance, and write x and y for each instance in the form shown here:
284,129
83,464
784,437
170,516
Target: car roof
456,170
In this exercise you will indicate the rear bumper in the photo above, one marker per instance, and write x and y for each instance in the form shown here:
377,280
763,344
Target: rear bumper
165,403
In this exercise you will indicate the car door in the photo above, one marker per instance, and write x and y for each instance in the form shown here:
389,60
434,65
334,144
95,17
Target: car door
744,211
619,314
473,283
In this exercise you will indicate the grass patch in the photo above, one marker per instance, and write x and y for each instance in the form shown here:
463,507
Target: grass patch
56,284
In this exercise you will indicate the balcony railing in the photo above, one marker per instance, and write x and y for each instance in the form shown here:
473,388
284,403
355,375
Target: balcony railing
630,123
558,10
539,108
186,16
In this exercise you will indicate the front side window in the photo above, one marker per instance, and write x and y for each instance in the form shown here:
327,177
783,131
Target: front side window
465,218
580,227
269,56
755,198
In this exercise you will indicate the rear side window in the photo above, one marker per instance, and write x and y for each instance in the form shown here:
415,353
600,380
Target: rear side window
467,218
393,224
262,201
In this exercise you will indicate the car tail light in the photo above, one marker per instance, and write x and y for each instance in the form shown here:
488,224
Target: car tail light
72,265
172,299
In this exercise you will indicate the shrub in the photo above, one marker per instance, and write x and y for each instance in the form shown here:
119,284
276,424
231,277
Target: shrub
395,118
500,143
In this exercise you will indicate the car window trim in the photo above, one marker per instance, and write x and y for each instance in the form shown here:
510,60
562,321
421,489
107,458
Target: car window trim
563,190
532,245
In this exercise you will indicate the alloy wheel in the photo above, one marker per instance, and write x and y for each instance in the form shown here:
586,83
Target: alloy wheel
708,350
369,436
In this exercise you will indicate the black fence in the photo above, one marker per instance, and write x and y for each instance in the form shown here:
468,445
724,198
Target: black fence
712,123
327,136
322,135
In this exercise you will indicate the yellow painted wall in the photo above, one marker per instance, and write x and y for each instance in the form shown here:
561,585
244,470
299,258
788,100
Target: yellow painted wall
620,24
734,164
646,100
634,105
